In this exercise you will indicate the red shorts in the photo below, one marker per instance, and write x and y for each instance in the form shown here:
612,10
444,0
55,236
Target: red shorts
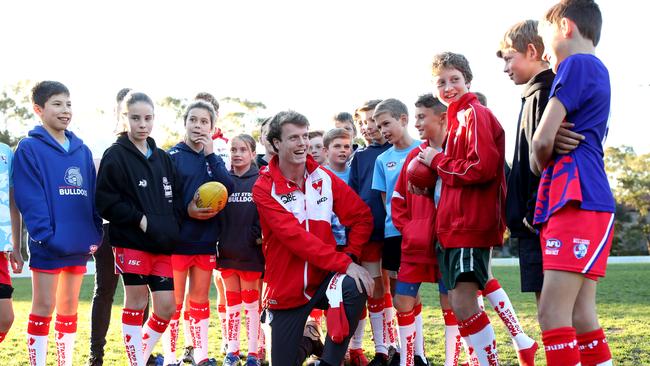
142,263
69,269
5,279
371,251
244,275
417,273
182,262
577,240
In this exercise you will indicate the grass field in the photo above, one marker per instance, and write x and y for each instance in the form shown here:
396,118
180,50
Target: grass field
623,298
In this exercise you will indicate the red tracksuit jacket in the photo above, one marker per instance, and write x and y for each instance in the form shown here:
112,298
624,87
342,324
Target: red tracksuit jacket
298,244
415,217
471,211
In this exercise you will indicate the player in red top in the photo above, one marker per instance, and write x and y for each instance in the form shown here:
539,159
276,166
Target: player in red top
296,199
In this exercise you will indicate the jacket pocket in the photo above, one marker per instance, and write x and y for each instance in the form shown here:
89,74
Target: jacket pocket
418,237
163,232
74,237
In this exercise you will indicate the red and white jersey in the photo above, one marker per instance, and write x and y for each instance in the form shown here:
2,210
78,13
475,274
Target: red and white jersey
221,148
298,244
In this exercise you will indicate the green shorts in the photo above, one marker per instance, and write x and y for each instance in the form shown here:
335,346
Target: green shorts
463,265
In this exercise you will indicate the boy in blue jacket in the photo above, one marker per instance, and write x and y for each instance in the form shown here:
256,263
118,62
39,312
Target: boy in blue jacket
54,180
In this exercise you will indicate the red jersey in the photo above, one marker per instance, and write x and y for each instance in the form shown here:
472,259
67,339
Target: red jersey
298,244
414,216
471,211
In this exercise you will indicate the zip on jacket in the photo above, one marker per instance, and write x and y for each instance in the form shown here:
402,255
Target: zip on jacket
299,247
471,211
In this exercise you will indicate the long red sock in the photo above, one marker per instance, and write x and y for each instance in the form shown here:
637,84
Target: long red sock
593,347
561,347
376,315
152,332
2,336
482,337
199,319
170,337
233,314
38,328
65,327
250,298
406,322
132,333
452,338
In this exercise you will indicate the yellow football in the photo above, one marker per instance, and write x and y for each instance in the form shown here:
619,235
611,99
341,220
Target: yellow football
213,195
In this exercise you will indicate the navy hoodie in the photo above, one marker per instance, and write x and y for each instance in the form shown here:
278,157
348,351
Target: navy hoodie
193,169
361,170
130,185
55,192
240,244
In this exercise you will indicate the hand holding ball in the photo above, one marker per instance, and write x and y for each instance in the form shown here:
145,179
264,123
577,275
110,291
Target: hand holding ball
420,175
212,195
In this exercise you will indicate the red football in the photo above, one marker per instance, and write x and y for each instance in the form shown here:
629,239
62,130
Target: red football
420,175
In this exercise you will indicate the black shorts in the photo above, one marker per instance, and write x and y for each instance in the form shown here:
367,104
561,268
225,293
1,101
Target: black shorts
155,283
391,253
530,264
5,291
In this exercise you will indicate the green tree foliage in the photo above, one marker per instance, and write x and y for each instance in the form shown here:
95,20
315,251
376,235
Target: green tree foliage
15,109
629,176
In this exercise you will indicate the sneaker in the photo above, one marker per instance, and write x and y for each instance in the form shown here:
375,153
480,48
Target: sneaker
357,358
312,331
252,361
312,361
231,359
157,360
380,359
394,361
208,362
420,361
188,355
391,352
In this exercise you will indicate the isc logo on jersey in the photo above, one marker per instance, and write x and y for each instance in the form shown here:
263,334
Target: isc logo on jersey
74,182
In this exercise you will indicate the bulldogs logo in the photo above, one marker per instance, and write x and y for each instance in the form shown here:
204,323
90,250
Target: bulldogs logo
580,250
73,176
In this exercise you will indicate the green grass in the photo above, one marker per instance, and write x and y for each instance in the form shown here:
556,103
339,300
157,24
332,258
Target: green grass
623,305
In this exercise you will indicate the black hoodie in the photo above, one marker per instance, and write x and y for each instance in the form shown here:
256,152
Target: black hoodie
522,183
240,243
130,185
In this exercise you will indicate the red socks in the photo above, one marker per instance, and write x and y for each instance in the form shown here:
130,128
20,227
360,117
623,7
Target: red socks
481,336
170,337
452,338
561,347
199,319
251,307
406,322
65,328
376,310
338,327
132,332
594,350
2,336
233,316
38,328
